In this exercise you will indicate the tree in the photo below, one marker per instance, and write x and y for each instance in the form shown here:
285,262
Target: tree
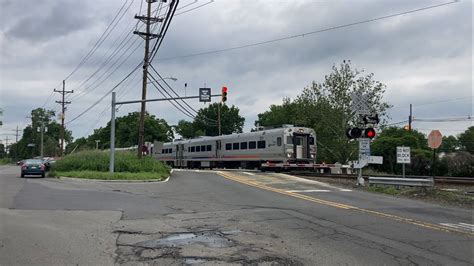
3,153
326,107
206,120
185,129
30,143
386,145
126,132
466,140
449,144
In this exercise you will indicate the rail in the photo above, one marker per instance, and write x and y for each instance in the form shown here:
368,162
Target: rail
395,181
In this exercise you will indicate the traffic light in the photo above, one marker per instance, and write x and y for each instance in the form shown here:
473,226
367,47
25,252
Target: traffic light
224,94
354,133
369,133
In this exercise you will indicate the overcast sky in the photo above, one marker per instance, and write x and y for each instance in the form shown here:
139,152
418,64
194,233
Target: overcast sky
424,58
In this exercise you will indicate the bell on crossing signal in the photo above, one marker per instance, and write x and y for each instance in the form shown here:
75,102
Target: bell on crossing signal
369,133
354,133
224,94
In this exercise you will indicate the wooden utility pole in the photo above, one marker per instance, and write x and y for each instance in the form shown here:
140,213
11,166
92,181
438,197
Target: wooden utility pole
147,36
63,103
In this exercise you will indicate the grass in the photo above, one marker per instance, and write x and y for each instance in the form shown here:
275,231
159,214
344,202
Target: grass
456,198
95,165
110,176
5,161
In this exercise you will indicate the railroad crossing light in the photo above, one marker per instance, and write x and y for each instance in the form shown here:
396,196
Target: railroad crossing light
369,133
354,133
224,94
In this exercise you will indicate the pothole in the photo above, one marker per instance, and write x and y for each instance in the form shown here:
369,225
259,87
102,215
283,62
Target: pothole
211,239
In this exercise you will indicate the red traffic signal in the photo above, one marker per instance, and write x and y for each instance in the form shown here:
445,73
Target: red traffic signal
224,94
369,133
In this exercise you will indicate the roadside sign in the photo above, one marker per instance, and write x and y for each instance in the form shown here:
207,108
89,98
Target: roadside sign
403,155
376,160
364,147
204,94
434,139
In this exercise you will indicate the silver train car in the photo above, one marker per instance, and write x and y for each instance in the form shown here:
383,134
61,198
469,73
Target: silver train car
287,147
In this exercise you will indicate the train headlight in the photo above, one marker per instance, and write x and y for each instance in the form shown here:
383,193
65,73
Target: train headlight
312,156
288,155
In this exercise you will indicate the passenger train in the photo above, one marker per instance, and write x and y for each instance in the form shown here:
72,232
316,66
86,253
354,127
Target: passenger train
287,147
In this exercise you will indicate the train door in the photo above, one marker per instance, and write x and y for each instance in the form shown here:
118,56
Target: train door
301,146
179,155
218,149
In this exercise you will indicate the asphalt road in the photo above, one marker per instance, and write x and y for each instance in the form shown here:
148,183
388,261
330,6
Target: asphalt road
212,217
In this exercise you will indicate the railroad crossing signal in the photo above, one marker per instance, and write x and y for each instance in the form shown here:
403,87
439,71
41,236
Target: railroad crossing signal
355,133
224,94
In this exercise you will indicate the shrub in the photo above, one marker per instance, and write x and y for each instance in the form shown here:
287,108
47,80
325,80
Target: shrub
99,161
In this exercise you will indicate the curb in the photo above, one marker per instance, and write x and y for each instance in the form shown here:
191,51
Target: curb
117,181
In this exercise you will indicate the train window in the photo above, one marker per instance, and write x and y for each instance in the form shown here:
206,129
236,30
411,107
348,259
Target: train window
243,145
163,151
189,149
261,144
198,148
193,149
252,145
311,140
235,146
279,141
228,146
203,148
170,151
289,140
209,147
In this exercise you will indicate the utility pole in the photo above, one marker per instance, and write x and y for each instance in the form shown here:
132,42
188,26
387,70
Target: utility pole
63,103
16,133
410,118
219,118
147,36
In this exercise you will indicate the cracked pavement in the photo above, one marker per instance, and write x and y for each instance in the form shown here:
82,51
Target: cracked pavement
200,217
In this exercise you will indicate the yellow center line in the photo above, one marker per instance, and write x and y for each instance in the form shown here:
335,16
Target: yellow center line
343,206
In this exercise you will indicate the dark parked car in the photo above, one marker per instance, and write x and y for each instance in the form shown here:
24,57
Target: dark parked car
33,167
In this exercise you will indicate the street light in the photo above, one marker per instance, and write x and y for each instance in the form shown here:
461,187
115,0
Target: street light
171,78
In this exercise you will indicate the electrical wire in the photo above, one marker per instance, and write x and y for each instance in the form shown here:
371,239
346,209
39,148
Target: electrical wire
308,33
101,98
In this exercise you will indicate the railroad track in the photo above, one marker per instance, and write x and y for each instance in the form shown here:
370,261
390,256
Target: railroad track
438,179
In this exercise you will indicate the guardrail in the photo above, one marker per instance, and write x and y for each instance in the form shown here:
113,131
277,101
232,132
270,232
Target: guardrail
412,182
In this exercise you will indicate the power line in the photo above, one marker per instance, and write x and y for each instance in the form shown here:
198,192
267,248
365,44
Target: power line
436,102
101,98
309,33
98,42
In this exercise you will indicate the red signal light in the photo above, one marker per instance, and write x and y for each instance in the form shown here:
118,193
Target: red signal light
224,94
370,133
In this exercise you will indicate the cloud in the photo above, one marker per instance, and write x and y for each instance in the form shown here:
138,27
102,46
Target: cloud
421,57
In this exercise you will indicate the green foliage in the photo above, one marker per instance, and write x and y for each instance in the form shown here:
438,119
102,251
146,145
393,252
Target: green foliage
99,161
326,108
205,122
386,145
3,152
31,135
466,140
4,161
449,144
113,176
126,134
